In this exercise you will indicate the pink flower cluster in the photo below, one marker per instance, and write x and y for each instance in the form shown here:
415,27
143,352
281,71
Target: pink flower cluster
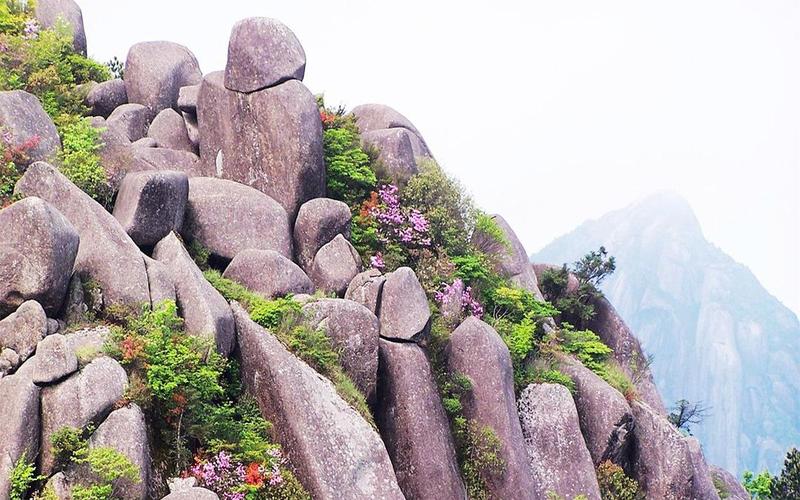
31,29
221,475
408,226
455,297
376,261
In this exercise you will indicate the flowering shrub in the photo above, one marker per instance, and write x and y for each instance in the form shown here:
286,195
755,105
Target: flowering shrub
233,480
456,300
12,156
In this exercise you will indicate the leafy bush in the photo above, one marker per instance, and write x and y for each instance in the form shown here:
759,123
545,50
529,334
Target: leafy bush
587,347
489,237
350,178
67,443
534,375
272,313
615,484
22,478
80,162
760,486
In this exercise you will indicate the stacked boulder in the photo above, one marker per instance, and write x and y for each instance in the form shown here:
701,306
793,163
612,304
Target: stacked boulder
258,124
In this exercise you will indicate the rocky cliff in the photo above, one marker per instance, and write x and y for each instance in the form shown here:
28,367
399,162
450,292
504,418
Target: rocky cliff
716,334
214,286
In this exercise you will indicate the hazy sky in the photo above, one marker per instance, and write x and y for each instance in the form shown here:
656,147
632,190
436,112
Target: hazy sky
553,112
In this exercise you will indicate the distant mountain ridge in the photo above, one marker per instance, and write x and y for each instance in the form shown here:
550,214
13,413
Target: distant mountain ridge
717,335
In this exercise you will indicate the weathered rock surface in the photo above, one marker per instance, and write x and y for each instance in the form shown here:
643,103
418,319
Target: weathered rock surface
37,252
476,351
662,461
335,265
628,352
88,344
557,453
150,205
379,116
160,281
702,481
262,52
104,248
366,289
145,142
23,329
354,332
414,425
125,431
156,71
84,397
22,115
50,12
729,483
345,458
227,217
404,311
268,273
604,414
396,152
205,312
19,434
130,121
107,96
169,131
187,99
54,360
318,222
192,494
270,139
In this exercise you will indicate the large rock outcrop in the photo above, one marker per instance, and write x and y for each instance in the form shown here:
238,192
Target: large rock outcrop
404,311
353,331
19,434
268,273
366,289
150,205
107,96
373,117
414,425
476,351
342,458
262,52
104,247
205,312
227,217
54,360
129,121
30,129
169,131
22,330
37,254
155,73
728,484
318,222
395,152
335,265
50,12
270,139
88,396
560,462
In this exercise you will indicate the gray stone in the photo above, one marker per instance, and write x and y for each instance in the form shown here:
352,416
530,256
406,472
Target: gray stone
187,99
192,494
107,96
366,289
161,286
335,265
36,255
702,481
156,71
190,120
557,453
628,352
88,396
50,12
605,416
268,273
54,360
345,458
145,142
262,52
23,329
404,311
227,217
318,222
662,462
205,312
354,333
9,361
379,116
729,484
270,139
88,344
21,115
476,351
125,431
104,248
110,137
19,413
395,152
150,205
169,131
59,485
130,121
414,425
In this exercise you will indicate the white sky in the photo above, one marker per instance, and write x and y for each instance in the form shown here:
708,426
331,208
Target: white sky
553,112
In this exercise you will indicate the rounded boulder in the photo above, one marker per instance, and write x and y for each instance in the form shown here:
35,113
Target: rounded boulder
268,273
156,71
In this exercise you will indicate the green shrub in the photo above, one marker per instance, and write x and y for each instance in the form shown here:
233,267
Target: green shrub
67,444
270,314
587,347
544,376
80,162
233,291
22,478
787,485
721,487
618,379
615,484
489,238
109,465
479,451
760,486
349,175
200,254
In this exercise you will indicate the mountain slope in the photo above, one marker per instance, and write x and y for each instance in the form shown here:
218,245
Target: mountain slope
716,334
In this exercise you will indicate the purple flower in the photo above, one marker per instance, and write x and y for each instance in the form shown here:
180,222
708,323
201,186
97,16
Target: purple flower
31,29
456,300
376,261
